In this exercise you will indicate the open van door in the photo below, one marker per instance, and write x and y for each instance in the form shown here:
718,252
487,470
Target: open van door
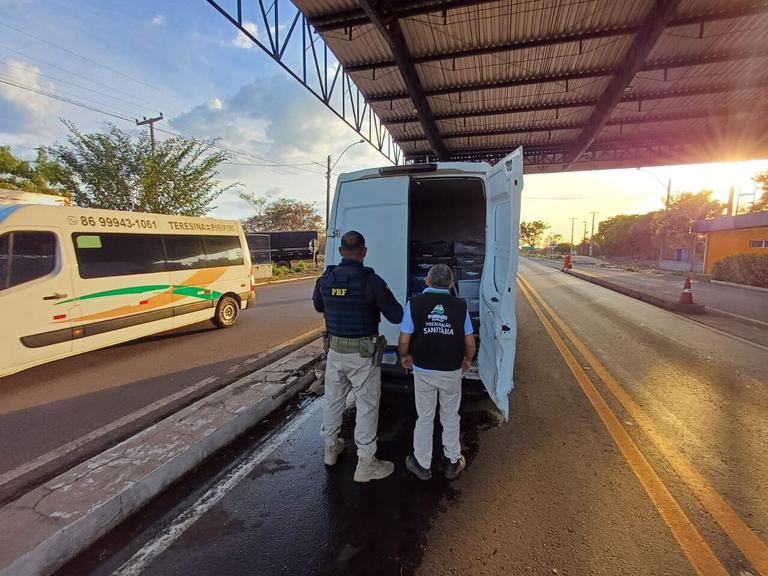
498,326
378,209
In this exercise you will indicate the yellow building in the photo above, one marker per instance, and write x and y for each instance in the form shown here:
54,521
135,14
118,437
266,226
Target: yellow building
742,234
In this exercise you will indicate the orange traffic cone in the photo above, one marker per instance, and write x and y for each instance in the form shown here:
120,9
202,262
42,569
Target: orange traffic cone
567,263
686,297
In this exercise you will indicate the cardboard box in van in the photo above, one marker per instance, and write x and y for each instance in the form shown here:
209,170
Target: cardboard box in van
462,209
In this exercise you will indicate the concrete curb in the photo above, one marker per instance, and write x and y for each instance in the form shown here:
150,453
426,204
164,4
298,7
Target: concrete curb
54,522
741,286
287,280
654,300
731,316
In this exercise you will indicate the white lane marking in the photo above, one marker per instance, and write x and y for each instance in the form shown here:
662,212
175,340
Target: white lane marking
83,440
139,561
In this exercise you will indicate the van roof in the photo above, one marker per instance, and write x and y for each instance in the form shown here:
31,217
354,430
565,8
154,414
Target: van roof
442,169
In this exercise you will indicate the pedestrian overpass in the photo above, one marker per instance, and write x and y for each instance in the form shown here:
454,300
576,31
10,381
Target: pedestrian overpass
580,84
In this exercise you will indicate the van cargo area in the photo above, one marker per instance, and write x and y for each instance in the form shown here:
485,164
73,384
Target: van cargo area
447,226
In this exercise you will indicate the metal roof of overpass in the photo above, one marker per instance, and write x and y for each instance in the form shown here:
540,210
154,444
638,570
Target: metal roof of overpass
580,84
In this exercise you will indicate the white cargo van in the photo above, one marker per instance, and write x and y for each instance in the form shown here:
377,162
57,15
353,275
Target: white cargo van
469,206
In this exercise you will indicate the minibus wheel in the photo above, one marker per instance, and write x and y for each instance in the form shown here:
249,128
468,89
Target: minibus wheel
227,312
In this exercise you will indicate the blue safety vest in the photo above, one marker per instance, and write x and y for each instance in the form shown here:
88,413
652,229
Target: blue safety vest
348,313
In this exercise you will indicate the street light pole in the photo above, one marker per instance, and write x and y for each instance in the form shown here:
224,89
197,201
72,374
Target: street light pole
592,237
573,222
584,240
328,182
666,211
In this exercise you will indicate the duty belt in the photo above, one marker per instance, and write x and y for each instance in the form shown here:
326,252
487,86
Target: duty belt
347,345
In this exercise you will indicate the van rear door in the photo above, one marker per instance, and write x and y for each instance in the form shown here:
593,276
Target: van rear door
498,328
378,209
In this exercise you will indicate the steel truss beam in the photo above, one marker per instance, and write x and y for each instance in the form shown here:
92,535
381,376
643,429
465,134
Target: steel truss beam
566,76
699,113
662,12
640,98
747,10
383,17
357,17
289,36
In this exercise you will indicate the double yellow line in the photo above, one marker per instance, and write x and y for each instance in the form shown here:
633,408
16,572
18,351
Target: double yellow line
693,545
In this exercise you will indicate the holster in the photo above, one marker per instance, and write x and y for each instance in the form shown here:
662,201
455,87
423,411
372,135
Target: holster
380,344
326,341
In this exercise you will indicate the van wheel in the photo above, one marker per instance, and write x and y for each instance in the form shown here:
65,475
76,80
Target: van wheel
285,263
227,312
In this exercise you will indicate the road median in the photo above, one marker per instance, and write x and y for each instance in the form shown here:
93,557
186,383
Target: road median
52,523
638,295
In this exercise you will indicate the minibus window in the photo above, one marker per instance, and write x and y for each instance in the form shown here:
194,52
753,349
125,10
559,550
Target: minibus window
5,269
223,251
184,252
104,255
26,256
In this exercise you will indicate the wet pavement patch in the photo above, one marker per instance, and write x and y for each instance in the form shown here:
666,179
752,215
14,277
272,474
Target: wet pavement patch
293,515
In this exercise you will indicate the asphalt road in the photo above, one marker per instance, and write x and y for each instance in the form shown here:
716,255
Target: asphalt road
48,406
637,444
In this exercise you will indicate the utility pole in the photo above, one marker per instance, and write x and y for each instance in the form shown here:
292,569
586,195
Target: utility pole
328,195
573,222
151,122
584,239
592,237
664,222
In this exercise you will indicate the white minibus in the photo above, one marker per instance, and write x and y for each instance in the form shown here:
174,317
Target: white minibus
77,279
463,214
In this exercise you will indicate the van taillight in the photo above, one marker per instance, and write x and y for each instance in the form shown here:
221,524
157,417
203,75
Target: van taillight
253,283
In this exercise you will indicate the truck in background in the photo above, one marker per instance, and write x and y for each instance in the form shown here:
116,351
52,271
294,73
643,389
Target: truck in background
283,246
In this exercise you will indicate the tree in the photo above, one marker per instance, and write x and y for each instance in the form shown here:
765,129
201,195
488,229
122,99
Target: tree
281,214
556,238
113,172
531,232
45,176
761,203
633,235
685,208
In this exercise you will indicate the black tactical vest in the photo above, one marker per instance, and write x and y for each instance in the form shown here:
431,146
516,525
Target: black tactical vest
437,342
347,312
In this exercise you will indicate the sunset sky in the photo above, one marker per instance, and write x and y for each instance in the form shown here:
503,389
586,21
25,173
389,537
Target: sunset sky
186,61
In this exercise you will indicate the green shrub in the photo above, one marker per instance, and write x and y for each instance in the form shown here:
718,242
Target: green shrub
279,270
749,269
300,267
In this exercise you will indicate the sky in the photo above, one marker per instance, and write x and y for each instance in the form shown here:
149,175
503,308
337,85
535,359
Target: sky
137,59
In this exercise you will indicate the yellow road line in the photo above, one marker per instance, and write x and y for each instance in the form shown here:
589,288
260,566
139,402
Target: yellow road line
747,541
699,554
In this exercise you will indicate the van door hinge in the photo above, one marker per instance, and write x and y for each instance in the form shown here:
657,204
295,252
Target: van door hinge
333,233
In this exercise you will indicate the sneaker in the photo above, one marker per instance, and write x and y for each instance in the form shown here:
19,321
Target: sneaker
413,466
332,452
453,469
371,468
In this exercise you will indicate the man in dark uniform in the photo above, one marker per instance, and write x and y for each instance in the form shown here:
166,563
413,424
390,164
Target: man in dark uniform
438,344
352,298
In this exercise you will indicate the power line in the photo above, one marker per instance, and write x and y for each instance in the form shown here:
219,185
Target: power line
16,80
96,63
67,100
12,65
75,74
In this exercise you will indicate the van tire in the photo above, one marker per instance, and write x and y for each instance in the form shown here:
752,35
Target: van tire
227,312
285,263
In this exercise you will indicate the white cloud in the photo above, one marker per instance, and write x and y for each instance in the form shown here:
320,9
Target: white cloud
242,41
22,110
276,119
158,20
214,104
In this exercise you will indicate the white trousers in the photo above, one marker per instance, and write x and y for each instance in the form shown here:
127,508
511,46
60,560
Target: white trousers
345,372
429,389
